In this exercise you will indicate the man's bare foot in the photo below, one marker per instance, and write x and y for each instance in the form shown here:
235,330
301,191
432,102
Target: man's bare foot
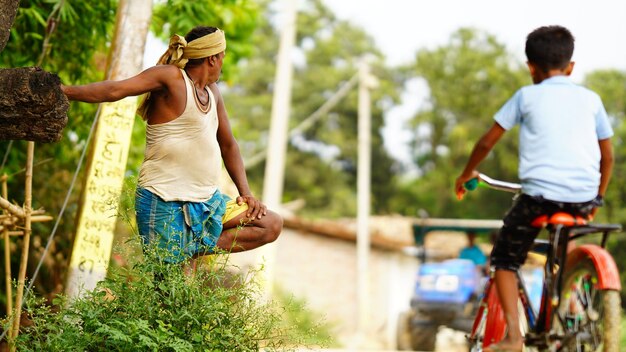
506,345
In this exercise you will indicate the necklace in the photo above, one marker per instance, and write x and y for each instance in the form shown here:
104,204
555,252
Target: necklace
204,107
198,96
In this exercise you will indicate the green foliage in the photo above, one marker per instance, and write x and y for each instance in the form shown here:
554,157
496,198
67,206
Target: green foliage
611,86
469,78
305,322
321,165
325,196
152,306
74,51
73,42
237,18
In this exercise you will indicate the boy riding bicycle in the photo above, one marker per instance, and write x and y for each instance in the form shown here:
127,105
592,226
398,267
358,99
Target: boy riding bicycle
565,153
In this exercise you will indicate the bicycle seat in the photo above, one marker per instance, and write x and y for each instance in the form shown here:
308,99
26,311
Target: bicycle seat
560,218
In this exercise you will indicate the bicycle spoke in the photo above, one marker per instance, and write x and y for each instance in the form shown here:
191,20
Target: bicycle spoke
586,317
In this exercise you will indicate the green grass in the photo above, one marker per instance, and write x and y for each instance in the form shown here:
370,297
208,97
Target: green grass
312,326
145,304
153,306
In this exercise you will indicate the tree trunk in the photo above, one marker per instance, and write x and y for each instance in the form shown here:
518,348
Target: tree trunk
345,232
8,10
32,105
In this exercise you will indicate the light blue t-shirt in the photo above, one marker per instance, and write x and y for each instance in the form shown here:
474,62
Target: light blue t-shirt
560,125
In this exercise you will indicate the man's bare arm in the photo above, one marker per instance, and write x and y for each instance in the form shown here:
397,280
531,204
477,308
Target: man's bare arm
152,79
232,159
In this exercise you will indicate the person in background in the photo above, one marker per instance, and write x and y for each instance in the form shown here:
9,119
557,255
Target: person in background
473,252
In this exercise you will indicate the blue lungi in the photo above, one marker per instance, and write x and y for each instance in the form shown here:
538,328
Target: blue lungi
179,230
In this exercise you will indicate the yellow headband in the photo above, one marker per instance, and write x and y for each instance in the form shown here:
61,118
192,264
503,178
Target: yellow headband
179,51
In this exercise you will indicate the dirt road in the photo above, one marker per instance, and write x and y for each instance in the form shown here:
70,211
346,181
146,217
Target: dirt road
449,340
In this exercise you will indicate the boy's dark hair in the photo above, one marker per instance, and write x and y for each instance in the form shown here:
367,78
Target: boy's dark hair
195,33
550,47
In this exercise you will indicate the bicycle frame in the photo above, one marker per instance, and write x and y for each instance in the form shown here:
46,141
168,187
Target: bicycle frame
495,325
563,228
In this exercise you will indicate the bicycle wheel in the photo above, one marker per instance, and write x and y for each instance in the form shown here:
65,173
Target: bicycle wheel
489,326
477,336
588,318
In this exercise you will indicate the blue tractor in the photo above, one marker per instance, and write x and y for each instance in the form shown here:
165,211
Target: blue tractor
445,292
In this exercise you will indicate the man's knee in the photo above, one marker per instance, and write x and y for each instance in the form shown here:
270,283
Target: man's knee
274,226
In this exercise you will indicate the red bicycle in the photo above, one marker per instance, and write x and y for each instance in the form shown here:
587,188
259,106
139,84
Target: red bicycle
580,303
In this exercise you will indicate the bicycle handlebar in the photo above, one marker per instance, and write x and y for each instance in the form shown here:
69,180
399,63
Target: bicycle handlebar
492,183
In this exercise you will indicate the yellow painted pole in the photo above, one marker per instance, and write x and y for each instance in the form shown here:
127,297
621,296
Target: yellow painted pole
106,164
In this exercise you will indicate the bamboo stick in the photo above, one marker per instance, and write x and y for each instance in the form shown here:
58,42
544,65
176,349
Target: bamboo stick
35,218
34,212
11,208
7,253
26,243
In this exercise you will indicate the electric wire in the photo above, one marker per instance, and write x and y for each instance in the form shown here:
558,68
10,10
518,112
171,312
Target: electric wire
6,155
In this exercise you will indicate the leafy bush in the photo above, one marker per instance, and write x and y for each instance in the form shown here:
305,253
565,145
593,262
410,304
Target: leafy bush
305,322
152,306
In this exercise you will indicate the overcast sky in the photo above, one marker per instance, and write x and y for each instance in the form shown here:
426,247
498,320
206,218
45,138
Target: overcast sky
402,27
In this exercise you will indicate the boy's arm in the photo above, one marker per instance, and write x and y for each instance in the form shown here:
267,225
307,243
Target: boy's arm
606,169
149,80
480,151
233,161
606,164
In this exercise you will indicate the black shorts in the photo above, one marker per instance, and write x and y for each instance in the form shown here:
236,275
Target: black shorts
516,236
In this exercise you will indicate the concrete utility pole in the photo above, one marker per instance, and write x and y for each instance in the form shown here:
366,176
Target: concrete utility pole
281,108
366,82
310,121
277,139
108,154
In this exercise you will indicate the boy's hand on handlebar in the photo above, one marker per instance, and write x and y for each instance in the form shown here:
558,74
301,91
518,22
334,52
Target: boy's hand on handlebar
459,186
